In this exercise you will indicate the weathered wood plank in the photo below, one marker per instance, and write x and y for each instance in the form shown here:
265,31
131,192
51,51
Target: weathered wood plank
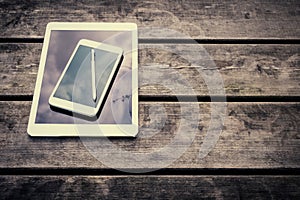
254,70
255,135
154,187
209,19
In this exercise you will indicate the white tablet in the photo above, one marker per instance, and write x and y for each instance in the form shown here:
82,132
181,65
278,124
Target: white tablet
87,83
86,79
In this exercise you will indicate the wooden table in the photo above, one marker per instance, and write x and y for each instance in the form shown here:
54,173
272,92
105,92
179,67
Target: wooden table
255,46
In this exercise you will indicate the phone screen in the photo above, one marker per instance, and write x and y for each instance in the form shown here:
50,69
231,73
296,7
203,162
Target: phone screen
76,84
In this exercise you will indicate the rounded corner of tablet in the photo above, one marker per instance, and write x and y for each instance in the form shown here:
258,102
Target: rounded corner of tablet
133,25
50,25
135,131
29,131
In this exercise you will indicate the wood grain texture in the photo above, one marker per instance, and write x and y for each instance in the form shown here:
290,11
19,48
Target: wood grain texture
255,135
259,136
146,187
198,19
247,70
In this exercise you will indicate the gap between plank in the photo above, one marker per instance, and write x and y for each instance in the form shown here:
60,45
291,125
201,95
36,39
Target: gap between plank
184,98
178,41
167,172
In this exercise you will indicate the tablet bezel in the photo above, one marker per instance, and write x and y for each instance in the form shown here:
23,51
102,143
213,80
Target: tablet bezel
77,107
107,130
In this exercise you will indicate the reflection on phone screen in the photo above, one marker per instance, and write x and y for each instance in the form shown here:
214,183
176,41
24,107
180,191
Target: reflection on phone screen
76,85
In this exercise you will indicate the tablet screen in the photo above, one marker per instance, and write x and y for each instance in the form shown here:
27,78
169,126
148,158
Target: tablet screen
63,56
76,84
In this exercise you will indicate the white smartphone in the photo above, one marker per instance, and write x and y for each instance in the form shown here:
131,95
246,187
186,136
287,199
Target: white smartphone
87,78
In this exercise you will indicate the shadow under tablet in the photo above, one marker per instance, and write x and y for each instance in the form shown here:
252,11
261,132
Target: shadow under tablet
84,117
